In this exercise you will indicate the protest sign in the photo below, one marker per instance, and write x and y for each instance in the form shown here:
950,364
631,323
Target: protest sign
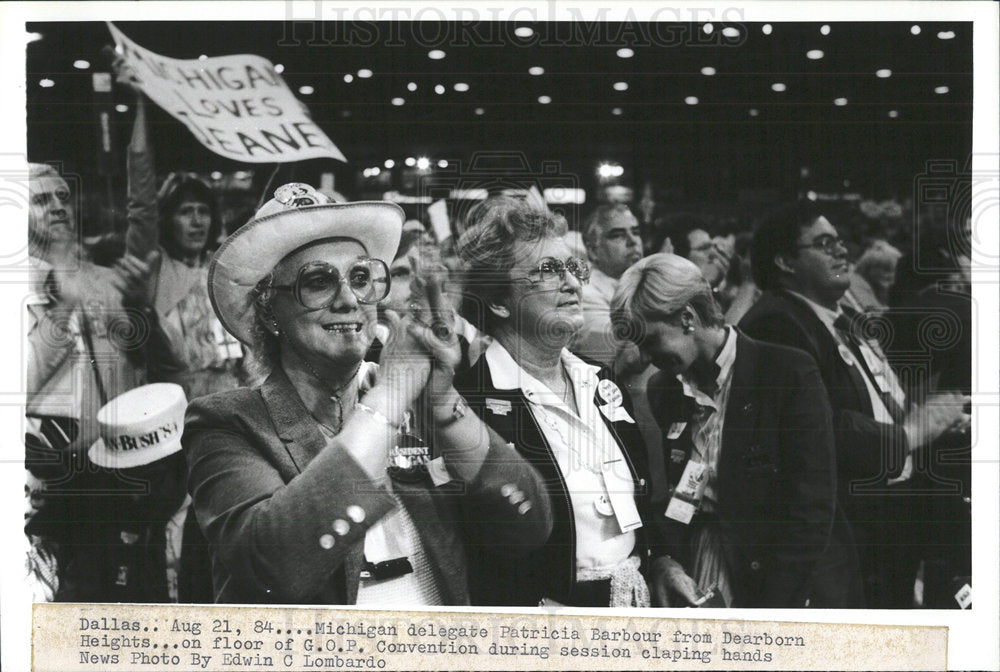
237,106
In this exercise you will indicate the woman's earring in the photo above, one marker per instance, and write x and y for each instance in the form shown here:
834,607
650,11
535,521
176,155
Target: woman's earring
688,329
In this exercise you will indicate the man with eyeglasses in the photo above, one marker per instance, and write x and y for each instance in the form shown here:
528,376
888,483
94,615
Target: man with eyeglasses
801,264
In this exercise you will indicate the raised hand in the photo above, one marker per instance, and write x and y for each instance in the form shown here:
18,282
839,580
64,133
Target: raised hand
134,279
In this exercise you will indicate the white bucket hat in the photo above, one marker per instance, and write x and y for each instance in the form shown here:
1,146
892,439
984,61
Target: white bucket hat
140,426
296,216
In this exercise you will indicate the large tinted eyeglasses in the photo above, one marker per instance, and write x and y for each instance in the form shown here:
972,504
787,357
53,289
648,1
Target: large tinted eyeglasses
318,283
827,244
551,271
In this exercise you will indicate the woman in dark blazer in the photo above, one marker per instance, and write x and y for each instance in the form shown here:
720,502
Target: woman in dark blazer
748,442
562,414
291,481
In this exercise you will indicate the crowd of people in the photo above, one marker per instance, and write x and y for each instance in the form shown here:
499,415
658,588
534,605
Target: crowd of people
331,406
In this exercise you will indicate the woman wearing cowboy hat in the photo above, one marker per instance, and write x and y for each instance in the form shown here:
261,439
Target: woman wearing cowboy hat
290,480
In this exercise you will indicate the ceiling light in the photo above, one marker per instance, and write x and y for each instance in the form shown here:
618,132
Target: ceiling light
375,171
412,86
81,64
442,163
439,89
605,170
410,161
306,90
778,86
364,73
121,108
708,28
617,111
461,87
620,86
348,78
625,52
946,35
766,29
753,112
216,175
691,100
544,100
389,163
883,73
398,101
367,172
536,70
435,54
523,31
814,54
480,111
811,195
915,29
46,83
840,102
893,114
940,90
731,32
345,113
279,68
708,71
423,163
824,29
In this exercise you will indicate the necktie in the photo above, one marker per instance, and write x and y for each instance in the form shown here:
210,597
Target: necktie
843,324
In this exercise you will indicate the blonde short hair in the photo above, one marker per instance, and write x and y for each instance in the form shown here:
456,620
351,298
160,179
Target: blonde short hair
657,288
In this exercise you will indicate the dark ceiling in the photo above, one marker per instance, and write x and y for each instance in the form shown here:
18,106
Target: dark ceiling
740,134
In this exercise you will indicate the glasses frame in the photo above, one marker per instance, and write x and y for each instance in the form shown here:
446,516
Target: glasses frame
828,246
562,266
296,287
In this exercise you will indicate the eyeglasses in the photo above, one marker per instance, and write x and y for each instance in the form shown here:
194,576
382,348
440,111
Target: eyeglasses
318,283
551,271
826,244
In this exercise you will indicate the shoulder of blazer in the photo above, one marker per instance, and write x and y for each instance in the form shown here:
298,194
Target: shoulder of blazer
235,408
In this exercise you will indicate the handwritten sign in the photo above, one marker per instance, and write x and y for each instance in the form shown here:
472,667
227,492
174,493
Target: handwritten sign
237,106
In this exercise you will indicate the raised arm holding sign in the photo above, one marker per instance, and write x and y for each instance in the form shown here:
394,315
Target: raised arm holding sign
237,106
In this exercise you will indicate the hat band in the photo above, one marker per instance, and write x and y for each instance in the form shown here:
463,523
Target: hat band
125,442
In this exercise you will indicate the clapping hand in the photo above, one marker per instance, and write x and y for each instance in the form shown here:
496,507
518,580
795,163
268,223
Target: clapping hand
942,412
433,319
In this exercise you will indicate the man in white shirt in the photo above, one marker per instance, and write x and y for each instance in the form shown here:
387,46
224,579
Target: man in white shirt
611,234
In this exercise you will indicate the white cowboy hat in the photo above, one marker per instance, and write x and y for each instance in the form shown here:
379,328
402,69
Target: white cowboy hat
140,426
296,216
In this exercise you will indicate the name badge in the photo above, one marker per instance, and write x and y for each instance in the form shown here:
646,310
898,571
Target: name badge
616,413
498,406
620,488
687,496
675,430
438,472
964,596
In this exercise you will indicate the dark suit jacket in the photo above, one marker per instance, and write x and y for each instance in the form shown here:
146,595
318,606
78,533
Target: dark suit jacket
550,570
868,452
776,484
267,487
